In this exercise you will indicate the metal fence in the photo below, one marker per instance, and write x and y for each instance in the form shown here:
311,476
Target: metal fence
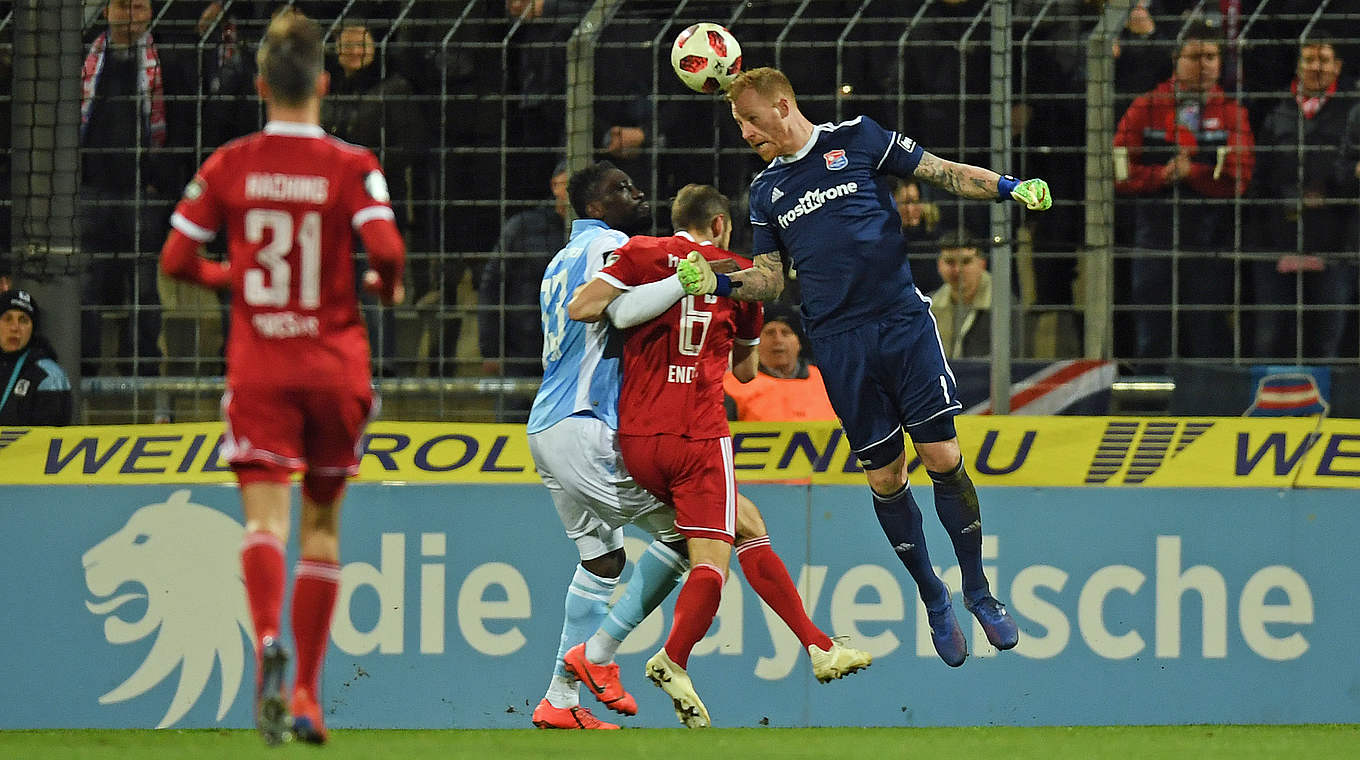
471,104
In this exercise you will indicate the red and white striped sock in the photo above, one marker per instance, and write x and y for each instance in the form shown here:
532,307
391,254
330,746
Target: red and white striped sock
315,584
262,568
770,578
694,611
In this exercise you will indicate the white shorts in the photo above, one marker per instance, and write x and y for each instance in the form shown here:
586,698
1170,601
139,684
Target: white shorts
579,461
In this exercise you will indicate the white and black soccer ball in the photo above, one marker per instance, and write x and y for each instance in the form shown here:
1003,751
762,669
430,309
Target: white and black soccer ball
706,57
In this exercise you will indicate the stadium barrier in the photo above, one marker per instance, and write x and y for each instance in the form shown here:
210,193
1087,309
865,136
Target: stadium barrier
1162,571
479,105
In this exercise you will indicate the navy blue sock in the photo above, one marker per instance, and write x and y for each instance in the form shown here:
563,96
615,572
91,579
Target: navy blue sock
956,502
900,519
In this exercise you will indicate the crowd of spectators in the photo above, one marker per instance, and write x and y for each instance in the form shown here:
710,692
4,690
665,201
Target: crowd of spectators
1236,165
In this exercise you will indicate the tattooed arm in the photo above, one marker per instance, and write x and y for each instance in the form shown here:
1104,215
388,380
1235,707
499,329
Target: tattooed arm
764,281
963,180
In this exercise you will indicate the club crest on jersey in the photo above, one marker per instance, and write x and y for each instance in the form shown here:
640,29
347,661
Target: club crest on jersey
835,159
376,186
776,194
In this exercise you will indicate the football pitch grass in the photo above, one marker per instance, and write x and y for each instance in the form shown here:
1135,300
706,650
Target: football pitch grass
1203,742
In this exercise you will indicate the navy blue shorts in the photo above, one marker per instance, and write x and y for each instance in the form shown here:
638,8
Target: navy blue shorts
885,376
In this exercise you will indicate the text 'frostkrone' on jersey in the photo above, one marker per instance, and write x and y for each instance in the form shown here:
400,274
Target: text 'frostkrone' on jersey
828,209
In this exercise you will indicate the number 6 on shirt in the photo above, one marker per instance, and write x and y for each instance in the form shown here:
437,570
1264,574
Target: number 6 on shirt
693,320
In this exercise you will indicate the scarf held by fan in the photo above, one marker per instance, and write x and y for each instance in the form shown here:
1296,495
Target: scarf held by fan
149,85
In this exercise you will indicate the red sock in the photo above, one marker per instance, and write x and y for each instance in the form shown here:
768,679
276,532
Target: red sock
770,578
694,611
262,569
315,583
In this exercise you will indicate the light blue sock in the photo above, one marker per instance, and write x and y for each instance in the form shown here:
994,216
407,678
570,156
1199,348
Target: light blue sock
654,576
587,603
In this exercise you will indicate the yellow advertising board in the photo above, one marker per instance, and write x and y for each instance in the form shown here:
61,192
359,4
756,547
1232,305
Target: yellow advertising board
1002,451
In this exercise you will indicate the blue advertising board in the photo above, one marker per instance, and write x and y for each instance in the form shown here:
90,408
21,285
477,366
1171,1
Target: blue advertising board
1136,606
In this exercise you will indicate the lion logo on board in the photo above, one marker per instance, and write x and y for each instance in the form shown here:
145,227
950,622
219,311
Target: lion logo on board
186,558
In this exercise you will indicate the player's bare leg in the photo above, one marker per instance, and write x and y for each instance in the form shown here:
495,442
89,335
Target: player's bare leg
769,577
265,502
956,503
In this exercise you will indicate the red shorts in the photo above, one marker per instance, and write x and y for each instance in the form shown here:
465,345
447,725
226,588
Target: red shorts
693,475
316,430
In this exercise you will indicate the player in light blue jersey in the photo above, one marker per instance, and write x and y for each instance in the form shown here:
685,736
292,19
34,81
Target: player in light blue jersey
825,204
572,439
571,430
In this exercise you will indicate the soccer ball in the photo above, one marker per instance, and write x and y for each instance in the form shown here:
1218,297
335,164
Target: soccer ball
706,57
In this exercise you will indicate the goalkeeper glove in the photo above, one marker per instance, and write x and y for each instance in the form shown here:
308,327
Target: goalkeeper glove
1031,192
698,278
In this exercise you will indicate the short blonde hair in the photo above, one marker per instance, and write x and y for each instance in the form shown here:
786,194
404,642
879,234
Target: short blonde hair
769,82
697,205
291,56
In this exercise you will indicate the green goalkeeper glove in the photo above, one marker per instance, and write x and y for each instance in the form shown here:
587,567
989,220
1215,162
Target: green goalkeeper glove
696,276
1031,192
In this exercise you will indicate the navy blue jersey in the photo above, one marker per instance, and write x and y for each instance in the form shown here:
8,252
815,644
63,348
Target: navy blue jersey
826,211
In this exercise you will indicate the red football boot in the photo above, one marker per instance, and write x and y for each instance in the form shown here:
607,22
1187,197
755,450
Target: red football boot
547,716
601,680
307,723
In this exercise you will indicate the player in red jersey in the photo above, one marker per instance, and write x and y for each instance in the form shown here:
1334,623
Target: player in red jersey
298,380
675,440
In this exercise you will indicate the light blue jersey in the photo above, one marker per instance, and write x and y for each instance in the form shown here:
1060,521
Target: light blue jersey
580,372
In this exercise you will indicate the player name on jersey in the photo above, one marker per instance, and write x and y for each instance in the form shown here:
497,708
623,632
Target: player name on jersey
287,188
285,324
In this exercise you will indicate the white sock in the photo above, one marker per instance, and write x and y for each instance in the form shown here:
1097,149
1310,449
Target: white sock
601,648
563,693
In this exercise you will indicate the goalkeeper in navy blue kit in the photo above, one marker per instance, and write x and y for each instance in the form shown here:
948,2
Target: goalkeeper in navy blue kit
824,203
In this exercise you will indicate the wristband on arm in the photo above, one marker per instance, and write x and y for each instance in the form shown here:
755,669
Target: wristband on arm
724,286
1004,185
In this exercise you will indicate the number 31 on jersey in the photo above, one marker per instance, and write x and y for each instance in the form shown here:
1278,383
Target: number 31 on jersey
270,284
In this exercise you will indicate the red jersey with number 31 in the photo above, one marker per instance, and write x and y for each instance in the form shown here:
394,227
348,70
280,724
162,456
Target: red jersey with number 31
673,365
291,198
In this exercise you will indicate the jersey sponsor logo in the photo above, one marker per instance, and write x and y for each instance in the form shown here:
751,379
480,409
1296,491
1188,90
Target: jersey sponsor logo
193,190
908,144
776,194
287,188
375,184
835,159
815,199
186,558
